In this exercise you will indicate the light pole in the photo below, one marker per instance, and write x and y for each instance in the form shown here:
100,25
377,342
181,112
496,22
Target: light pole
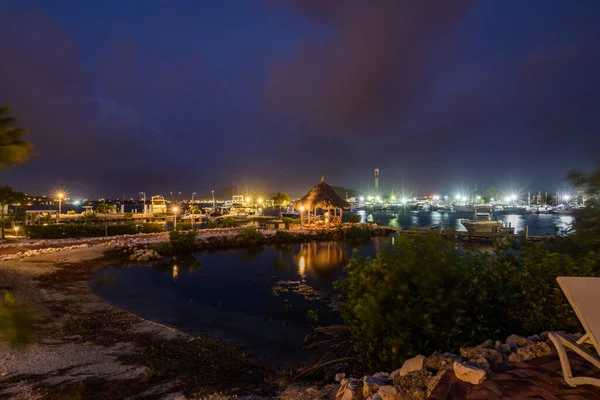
214,205
60,197
175,209
16,231
144,194
192,208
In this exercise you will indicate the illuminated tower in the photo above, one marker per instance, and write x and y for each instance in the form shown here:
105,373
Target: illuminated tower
376,181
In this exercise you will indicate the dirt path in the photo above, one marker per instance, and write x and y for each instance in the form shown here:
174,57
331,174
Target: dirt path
85,348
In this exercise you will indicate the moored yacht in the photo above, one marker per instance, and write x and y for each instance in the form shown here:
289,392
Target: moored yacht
483,222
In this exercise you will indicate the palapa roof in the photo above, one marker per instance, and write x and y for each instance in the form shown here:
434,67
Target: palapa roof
321,196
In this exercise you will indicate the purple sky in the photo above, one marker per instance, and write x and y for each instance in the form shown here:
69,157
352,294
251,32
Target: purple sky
159,96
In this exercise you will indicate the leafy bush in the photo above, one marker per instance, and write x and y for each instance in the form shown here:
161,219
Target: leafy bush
162,248
184,226
425,294
71,212
16,321
151,227
251,237
358,232
57,231
290,221
183,241
353,218
222,223
128,215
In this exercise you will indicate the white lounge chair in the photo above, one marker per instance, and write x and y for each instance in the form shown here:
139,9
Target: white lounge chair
584,296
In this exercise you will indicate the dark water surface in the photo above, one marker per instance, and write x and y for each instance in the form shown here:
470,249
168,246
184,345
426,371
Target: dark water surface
259,300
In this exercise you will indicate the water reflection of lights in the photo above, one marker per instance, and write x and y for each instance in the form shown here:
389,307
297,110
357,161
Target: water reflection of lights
301,265
175,271
319,256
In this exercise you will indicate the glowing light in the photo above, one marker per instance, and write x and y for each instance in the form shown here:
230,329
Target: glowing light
175,209
248,199
492,199
507,199
463,198
60,195
260,201
457,197
370,198
478,197
361,198
567,197
378,198
436,197
404,200
175,271
393,197
17,229
513,197
301,208
301,265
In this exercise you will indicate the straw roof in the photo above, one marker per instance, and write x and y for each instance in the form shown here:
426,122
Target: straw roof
321,196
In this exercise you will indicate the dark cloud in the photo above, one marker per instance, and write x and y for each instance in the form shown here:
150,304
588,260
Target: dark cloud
372,69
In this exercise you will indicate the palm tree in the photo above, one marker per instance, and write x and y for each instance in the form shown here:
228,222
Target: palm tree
13,149
8,196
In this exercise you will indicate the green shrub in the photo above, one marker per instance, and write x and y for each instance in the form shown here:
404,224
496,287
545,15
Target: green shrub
162,248
57,231
128,215
353,218
425,294
222,223
124,229
16,321
290,221
358,232
71,212
184,226
182,241
251,237
151,227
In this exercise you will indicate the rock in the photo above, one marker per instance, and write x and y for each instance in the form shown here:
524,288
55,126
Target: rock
381,375
487,344
299,392
339,377
469,373
413,385
371,385
412,365
515,358
498,345
536,350
492,356
386,393
348,390
439,362
515,341
434,381
505,348
544,335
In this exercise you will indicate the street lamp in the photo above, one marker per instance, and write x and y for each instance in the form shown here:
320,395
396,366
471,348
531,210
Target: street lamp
16,231
175,209
60,197
213,195
144,194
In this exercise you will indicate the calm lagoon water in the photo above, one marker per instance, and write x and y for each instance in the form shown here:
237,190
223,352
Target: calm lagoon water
257,299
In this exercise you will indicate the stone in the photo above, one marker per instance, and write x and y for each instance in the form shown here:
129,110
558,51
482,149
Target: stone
498,345
544,335
339,377
434,381
515,358
487,344
505,348
412,365
348,390
492,356
386,393
469,373
536,350
371,385
381,375
515,341
439,362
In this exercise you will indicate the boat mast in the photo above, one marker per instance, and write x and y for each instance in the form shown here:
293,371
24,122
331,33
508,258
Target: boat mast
529,199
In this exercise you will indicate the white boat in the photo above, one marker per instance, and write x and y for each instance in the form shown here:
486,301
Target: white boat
483,222
540,209
464,208
158,205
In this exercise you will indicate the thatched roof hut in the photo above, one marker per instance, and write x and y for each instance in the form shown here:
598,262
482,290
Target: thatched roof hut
322,196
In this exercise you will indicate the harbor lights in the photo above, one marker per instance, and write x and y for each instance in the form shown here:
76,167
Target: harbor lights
248,200
436,197
175,209
260,201
361,198
404,200
378,199
17,230
60,197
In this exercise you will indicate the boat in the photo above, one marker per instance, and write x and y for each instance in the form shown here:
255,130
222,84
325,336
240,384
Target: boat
509,210
540,209
467,208
483,222
158,205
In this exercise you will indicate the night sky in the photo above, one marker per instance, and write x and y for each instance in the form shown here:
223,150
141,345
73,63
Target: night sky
122,96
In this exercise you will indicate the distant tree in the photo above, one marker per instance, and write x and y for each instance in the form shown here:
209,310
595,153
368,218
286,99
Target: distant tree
281,199
491,193
104,208
587,220
9,196
13,149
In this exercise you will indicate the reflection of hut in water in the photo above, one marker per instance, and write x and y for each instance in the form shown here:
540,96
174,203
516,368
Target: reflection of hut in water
323,197
319,256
